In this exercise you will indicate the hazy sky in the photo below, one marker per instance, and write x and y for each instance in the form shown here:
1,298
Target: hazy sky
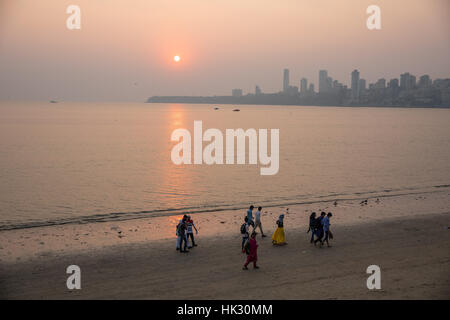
125,48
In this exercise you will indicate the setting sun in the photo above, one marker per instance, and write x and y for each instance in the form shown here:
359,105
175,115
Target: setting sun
176,58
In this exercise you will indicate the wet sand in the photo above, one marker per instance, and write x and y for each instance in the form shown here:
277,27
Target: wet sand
408,236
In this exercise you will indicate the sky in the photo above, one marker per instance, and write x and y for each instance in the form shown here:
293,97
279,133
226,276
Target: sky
124,50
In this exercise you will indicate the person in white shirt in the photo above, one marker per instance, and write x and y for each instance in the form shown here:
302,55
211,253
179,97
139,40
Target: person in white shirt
258,221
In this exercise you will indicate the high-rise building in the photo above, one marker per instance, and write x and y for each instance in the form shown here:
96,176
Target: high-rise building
407,81
303,85
424,81
257,90
311,88
285,80
329,84
393,83
361,87
355,83
411,83
323,76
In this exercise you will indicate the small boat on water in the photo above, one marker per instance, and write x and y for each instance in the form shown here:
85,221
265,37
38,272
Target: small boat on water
53,101
236,110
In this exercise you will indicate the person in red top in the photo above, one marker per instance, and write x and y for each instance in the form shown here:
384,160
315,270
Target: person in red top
252,252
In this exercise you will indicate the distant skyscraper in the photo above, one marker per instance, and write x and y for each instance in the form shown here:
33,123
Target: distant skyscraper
411,84
257,90
404,79
355,83
424,81
361,86
303,85
407,81
286,80
323,76
393,83
329,84
311,87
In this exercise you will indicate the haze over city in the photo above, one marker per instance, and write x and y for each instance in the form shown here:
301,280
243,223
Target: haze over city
126,53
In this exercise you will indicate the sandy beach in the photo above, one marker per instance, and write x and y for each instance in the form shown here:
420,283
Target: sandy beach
407,235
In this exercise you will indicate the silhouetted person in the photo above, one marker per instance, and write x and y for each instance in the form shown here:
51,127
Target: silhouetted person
326,228
244,232
312,225
319,229
253,252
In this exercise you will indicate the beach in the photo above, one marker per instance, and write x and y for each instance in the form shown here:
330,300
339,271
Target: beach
406,235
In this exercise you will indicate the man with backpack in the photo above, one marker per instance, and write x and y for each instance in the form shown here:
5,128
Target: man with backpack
244,233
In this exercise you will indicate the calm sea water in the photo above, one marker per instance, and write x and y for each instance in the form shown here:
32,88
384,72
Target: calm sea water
81,162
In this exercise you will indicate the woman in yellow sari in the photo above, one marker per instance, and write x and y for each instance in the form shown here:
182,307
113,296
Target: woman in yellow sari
278,238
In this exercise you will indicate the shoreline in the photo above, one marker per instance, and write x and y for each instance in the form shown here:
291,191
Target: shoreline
413,266
407,236
33,243
146,214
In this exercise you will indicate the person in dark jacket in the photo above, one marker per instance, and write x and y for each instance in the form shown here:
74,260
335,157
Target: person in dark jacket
319,228
312,225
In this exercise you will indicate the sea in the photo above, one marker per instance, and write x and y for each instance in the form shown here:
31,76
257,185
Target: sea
80,162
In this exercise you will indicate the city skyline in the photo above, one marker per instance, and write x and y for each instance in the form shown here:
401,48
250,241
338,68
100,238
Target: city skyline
405,90
41,59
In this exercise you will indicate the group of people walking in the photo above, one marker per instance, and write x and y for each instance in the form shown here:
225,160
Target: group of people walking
249,244
185,230
319,228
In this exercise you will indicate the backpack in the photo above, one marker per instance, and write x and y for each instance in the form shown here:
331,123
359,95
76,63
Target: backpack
243,228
